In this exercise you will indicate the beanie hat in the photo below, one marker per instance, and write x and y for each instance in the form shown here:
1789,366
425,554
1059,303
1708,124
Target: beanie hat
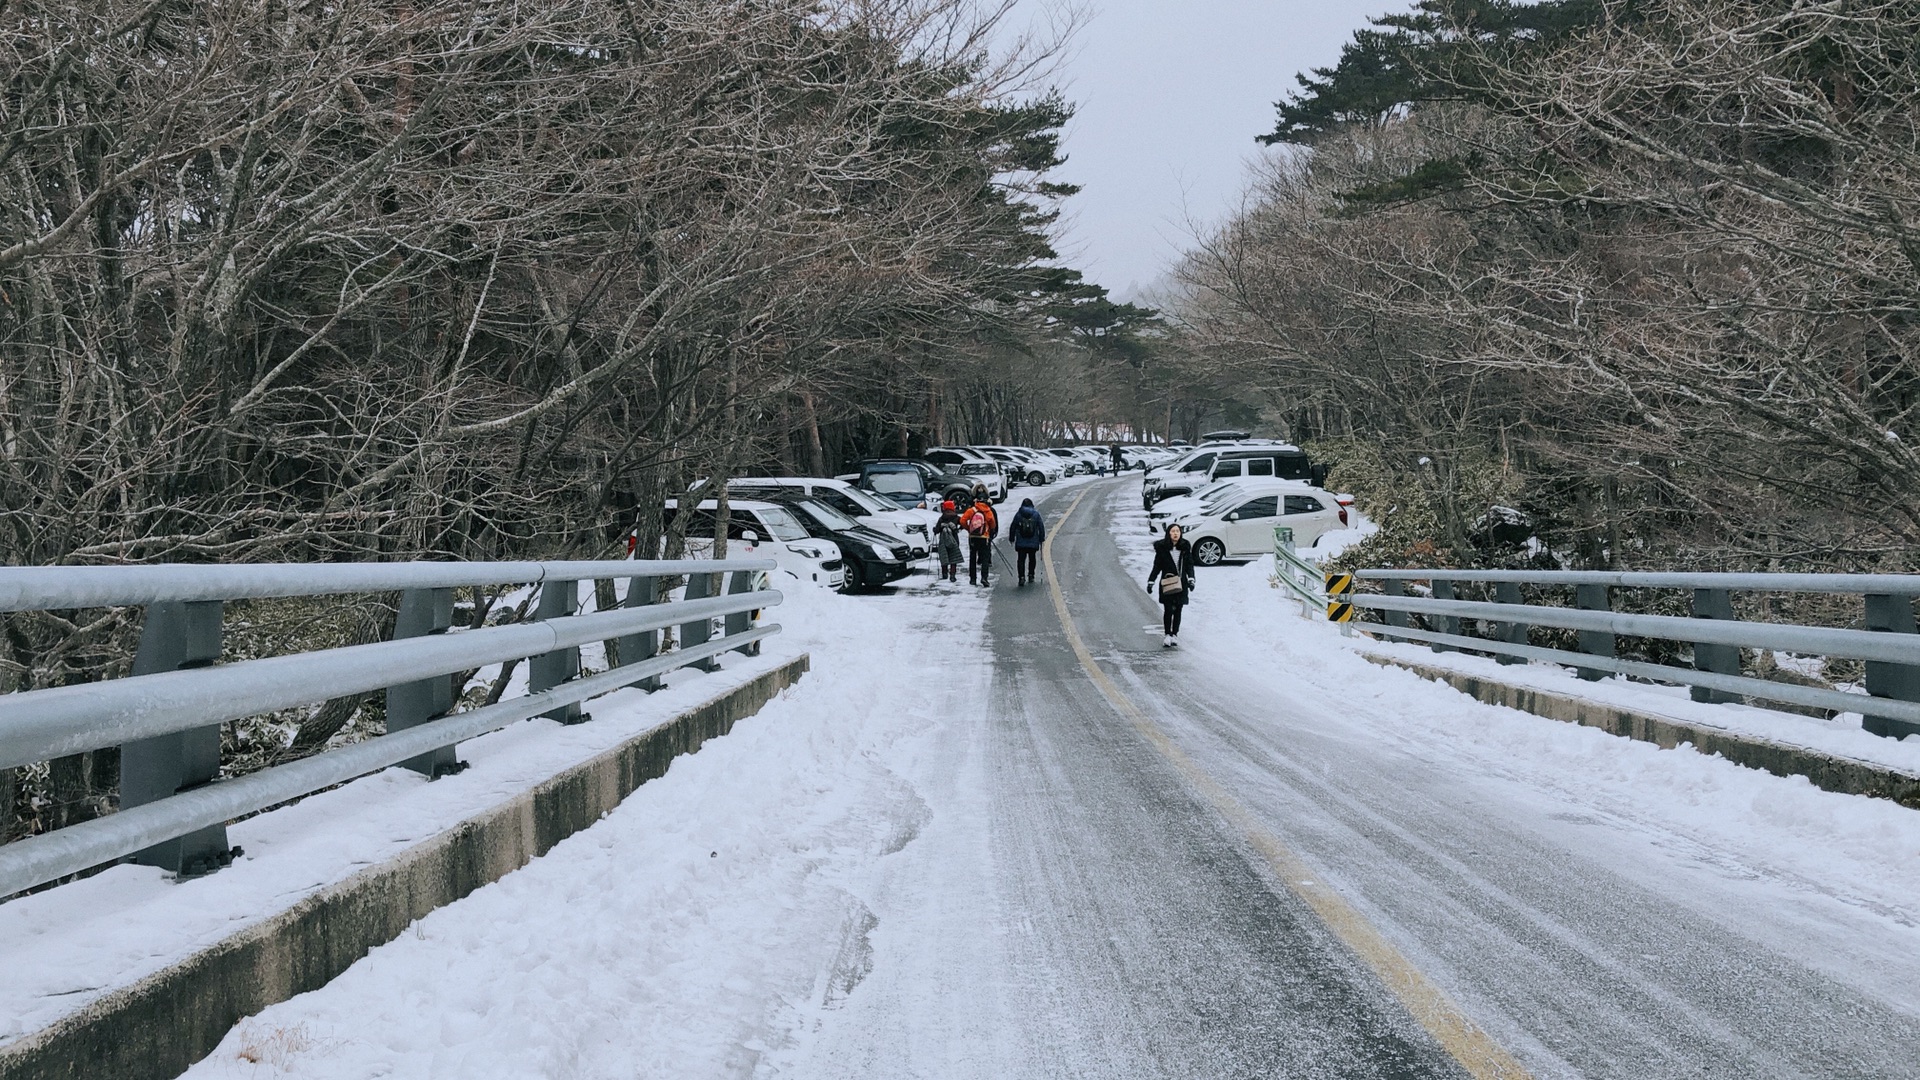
947,506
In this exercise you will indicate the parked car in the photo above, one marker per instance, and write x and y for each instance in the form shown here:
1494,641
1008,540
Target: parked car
873,558
1024,465
1092,458
1241,527
1075,463
911,526
975,466
910,482
764,530
1222,461
1178,507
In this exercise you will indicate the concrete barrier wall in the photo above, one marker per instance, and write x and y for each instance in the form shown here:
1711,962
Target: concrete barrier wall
156,1028
1826,771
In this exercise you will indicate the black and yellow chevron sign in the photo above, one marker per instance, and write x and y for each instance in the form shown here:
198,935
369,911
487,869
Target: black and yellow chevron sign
1339,584
1339,611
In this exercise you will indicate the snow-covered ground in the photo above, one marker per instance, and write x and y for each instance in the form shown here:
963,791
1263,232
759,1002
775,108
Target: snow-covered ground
66,947
1780,842
701,924
719,921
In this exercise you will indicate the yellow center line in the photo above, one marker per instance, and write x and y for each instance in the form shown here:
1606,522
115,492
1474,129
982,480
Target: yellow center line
1459,1036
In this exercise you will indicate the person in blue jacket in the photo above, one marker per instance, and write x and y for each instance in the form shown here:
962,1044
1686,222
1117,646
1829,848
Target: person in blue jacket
1027,532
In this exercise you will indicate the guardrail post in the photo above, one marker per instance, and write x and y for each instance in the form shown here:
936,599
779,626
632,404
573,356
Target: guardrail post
1396,587
1720,659
424,612
700,631
1443,590
558,599
1893,615
1513,633
1594,642
634,648
177,636
741,581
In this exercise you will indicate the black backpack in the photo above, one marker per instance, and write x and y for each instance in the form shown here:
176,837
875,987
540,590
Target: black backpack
1023,527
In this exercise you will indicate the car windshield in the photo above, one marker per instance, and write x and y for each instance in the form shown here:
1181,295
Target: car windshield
784,525
865,501
978,469
904,482
827,515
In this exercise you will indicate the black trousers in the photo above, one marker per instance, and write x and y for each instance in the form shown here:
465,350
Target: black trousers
979,558
1170,616
1023,561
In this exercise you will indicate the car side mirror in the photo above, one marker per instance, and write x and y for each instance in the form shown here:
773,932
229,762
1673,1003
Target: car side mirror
750,536
1235,516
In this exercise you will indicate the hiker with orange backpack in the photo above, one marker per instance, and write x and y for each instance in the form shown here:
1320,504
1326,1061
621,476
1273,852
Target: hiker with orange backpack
982,526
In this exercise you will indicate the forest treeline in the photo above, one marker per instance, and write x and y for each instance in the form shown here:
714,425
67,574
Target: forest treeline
484,279
1639,276
469,277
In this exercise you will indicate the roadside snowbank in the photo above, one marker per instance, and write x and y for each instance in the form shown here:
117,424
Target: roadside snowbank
1751,843
699,926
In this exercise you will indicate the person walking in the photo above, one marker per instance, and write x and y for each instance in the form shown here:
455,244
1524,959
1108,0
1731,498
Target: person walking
982,526
1027,531
1119,459
1172,573
946,535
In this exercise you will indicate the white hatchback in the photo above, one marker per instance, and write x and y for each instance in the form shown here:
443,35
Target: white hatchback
1238,523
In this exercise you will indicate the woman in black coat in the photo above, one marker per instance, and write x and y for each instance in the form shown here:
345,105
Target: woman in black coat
1172,559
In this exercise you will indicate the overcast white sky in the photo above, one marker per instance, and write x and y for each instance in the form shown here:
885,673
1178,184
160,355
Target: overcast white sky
1170,94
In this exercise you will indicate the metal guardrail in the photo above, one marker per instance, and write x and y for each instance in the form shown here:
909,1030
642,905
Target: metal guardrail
166,716
1296,574
1889,644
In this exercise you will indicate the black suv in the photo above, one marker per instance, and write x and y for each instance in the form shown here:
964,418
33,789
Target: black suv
873,558
890,479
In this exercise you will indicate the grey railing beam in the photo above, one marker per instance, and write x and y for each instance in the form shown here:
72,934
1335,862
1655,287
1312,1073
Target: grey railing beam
37,725
1811,696
1894,584
45,588
49,856
1817,640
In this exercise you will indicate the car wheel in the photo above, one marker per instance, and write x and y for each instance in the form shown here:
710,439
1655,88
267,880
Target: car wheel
1209,552
1036,479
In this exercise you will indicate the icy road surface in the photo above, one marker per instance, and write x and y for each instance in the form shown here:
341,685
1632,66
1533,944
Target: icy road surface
949,853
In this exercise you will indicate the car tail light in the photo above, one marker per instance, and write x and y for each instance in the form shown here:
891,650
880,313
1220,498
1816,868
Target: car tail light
1343,515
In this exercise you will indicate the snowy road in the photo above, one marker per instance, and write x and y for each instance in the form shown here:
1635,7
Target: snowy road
954,853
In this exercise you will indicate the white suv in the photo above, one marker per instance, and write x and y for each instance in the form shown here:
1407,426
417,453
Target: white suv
1238,522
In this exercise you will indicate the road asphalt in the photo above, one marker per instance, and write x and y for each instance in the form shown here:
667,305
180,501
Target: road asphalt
1116,921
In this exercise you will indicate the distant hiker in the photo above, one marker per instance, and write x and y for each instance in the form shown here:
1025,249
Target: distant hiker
1173,573
982,526
1028,532
946,534
1119,459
